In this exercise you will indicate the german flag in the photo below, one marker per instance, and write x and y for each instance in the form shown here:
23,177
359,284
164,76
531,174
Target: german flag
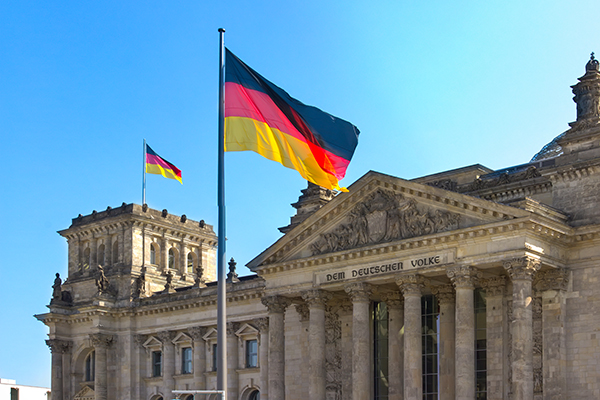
263,118
155,164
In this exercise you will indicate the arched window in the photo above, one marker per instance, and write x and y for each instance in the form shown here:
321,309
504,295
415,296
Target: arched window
86,258
173,255
190,263
101,254
115,252
254,395
152,254
90,367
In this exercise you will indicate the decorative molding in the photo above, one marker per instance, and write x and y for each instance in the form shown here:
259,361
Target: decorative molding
522,268
444,293
58,346
393,300
552,279
197,332
464,276
384,216
358,291
494,286
276,304
411,284
262,324
316,298
101,339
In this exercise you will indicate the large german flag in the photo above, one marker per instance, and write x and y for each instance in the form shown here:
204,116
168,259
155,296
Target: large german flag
263,118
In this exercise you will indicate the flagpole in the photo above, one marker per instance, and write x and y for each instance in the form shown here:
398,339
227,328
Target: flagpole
221,295
144,175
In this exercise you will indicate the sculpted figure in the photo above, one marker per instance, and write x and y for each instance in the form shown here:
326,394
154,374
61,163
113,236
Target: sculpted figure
101,281
57,287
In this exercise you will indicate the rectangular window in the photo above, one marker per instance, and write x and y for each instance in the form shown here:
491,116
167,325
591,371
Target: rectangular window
186,360
214,357
251,353
480,346
14,394
156,363
380,350
430,339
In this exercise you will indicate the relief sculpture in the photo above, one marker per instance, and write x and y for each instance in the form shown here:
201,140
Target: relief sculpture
385,216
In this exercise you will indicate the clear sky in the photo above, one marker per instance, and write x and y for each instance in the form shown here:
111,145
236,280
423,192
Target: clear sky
432,85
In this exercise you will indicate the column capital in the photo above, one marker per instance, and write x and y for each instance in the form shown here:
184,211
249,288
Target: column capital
522,268
358,291
140,339
101,339
232,328
262,324
302,310
197,332
58,346
411,284
276,304
552,279
393,300
316,297
166,336
444,293
494,286
463,276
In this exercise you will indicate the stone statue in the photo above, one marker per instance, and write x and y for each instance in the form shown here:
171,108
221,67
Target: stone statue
101,282
56,293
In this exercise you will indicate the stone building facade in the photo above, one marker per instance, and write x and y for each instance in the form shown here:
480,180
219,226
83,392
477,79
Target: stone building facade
466,284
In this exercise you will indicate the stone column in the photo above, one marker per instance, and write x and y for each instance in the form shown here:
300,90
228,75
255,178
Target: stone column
232,360
495,336
101,341
345,314
411,286
446,298
303,343
58,348
553,285
521,271
316,300
168,366
395,306
263,355
276,306
361,367
199,367
463,278
137,390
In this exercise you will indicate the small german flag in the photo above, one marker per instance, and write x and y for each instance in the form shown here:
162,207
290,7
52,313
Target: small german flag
155,164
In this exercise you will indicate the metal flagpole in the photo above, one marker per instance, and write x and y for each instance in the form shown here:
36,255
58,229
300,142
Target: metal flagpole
144,176
221,295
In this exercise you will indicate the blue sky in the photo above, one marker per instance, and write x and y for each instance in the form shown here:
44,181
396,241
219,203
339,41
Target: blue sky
431,85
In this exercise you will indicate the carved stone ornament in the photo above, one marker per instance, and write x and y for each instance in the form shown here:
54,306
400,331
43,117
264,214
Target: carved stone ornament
166,336
276,304
444,293
316,298
262,324
552,279
197,332
502,179
232,328
101,339
58,346
358,291
411,284
522,268
393,300
494,286
383,217
463,276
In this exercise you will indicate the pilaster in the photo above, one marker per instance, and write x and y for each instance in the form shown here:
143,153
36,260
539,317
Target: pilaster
495,336
447,301
521,271
360,295
101,342
59,350
411,286
316,300
395,306
199,367
276,306
263,357
233,360
166,337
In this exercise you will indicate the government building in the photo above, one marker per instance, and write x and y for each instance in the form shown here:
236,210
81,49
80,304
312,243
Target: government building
466,284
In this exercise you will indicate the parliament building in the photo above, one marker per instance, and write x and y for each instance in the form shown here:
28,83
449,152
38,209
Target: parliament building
466,284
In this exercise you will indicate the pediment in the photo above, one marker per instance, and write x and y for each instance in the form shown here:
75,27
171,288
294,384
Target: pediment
152,342
182,338
382,209
86,393
246,329
211,334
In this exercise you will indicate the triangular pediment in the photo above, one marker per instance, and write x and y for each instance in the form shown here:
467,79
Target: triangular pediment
86,393
246,329
182,338
211,334
383,209
152,342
